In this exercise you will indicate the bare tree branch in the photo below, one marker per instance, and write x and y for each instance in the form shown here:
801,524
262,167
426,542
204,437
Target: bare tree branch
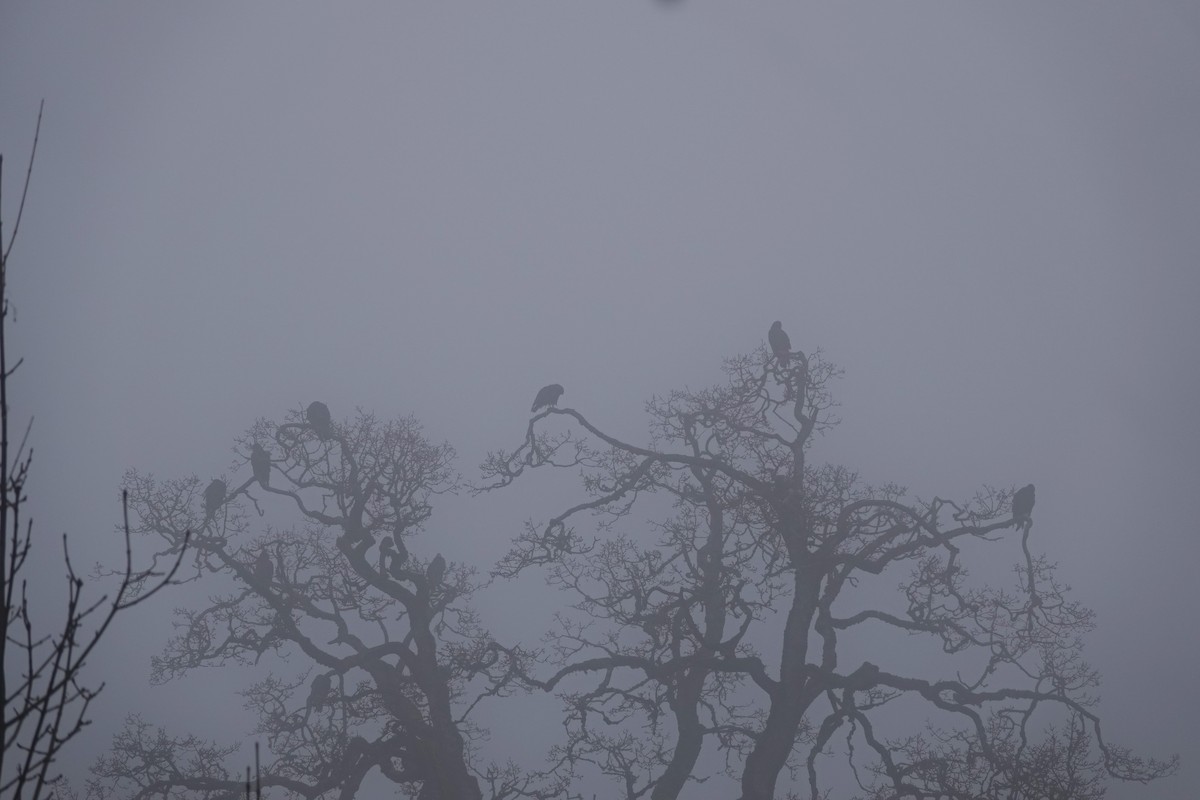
46,700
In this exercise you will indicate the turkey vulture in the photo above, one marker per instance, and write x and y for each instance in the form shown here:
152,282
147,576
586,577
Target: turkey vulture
260,463
781,345
396,567
319,692
547,396
264,569
390,559
1022,507
437,571
386,550
318,418
214,498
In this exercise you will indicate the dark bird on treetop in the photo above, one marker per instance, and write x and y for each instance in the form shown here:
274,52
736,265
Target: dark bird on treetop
260,463
318,417
437,571
1022,507
264,569
319,692
214,498
547,396
781,345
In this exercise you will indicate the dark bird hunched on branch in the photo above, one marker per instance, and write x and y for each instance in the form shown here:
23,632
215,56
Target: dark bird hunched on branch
214,498
260,464
781,345
318,693
437,571
385,551
264,568
392,557
396,567
547,396
1022,507
319,419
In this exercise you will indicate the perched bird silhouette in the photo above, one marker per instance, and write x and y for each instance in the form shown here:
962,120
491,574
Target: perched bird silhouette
396,567
264,568
437,571
1022,507
260,463
386,551
391,558
781,345
385,548
318,418
214,498
547,396
318,693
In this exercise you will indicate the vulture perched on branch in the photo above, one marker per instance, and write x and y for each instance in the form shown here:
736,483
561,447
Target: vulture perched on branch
264,568
260,463
392,557
1022,507
319,692
319,420
781,345
437,571
547,396
214,498
385,552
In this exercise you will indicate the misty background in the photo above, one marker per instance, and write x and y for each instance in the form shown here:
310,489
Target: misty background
986,214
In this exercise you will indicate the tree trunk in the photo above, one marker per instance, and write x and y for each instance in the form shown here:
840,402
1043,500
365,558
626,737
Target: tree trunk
792,698
688,742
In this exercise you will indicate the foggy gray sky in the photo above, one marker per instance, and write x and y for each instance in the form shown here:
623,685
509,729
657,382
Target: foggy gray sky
987,214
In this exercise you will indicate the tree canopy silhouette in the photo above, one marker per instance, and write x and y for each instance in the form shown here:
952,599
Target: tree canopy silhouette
396,658
744,612
733,609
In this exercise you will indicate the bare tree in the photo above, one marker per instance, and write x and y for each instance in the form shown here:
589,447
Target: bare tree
750,625
46,699
395,660
758,552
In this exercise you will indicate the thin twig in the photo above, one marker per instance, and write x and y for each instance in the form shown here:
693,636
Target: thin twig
28,173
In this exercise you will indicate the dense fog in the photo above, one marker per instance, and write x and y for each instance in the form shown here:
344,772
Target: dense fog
975,223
